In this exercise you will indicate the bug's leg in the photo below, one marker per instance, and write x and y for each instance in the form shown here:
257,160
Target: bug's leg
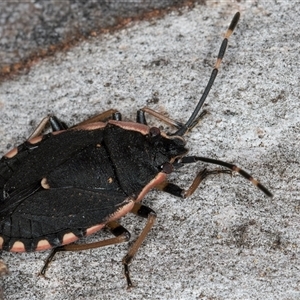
141,118
145,212
57,124
121,235
117,116
177,191
3,269
103,117
233,168
160,117
198,119
51,120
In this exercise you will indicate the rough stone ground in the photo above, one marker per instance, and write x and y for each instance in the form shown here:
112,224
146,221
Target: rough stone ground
227,241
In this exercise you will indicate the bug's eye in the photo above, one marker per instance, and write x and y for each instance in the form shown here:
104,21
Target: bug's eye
167,168
154,131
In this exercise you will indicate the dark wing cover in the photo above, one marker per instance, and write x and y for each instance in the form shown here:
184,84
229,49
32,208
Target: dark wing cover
49,214
33,162
82,191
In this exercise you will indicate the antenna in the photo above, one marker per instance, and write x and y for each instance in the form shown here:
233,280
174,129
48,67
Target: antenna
190,123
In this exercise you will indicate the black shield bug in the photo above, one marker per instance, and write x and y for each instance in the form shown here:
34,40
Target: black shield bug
59,187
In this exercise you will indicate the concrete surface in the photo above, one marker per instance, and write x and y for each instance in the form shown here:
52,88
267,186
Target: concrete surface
29,28
227,241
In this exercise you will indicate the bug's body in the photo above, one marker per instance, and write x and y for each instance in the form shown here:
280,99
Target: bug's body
82,178
61,186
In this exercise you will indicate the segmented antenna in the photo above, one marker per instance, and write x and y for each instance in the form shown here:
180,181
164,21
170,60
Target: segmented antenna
189,123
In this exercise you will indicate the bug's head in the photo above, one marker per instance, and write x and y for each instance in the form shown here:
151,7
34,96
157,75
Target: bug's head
172,147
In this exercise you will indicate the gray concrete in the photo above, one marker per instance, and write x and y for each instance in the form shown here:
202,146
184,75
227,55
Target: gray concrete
227,241
26,27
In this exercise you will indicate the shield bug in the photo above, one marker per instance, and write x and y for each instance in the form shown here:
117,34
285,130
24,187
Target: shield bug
61,186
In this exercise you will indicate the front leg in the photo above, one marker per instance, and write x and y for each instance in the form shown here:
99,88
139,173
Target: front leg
140,118
177,191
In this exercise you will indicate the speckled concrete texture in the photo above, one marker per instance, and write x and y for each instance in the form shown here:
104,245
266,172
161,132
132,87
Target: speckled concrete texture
227,241
29,27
